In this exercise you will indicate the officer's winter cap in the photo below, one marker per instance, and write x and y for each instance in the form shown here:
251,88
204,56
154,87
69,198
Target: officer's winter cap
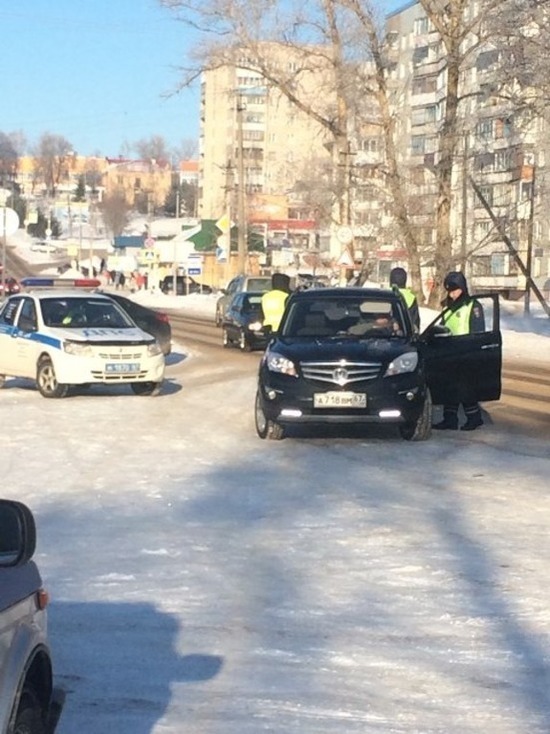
455,279
280,282
398,277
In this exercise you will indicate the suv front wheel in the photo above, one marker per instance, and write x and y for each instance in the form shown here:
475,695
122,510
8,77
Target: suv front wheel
266,428
420,430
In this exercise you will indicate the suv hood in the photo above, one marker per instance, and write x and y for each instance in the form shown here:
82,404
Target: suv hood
328,349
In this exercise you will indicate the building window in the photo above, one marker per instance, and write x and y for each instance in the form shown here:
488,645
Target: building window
503,160
418,144
369,145
421,25
424,85
484,129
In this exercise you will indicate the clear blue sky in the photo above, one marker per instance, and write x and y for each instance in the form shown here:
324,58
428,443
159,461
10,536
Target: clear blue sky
94,71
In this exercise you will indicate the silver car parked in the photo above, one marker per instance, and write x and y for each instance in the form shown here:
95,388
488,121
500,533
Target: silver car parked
28,702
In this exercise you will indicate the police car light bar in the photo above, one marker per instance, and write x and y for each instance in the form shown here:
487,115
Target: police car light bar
60,283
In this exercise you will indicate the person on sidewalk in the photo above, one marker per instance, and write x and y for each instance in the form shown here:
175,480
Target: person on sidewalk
464,316
398,278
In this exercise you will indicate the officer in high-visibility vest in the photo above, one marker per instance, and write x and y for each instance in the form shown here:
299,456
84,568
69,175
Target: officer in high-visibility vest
464,316
398,278
274,300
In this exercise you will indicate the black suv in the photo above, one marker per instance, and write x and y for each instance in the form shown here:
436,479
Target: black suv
351,355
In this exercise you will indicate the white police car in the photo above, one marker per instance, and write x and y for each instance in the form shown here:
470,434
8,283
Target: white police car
61,337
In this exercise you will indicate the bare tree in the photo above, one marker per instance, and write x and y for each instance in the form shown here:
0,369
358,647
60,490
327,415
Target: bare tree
347,39
8,158
115,211
153,149
51,157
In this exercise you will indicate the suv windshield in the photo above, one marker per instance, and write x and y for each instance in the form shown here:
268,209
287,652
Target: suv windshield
351,317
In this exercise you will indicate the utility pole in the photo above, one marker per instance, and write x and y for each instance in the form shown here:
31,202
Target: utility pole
464,212
175,253
241,217
529,258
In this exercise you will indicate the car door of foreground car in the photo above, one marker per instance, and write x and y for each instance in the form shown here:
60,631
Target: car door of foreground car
470,364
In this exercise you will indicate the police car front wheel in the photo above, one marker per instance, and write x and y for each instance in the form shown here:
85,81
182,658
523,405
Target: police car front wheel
46,380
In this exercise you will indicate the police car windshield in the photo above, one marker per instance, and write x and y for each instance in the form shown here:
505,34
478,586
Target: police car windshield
78,313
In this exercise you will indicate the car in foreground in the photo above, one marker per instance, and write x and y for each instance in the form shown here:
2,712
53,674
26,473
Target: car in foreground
351,356
29,704
240,284
153,322
242,324
185,285
64,337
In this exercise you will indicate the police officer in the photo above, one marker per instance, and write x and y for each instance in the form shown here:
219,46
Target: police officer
464,316
398,278
274,300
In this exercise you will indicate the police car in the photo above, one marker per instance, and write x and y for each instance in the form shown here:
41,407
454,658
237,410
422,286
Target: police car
62,334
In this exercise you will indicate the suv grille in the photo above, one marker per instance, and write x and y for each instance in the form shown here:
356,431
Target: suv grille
341,372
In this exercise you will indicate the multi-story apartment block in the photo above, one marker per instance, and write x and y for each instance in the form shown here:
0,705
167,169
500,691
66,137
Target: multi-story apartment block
249,127
495,152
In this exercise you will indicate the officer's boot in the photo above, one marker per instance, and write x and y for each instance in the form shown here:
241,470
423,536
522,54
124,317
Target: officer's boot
450,419
473,417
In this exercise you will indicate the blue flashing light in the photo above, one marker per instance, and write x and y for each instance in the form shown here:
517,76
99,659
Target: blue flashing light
60,282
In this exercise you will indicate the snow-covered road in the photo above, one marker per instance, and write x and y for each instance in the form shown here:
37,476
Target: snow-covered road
206,582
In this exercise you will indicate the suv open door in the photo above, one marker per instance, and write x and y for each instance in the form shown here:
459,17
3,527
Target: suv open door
466,367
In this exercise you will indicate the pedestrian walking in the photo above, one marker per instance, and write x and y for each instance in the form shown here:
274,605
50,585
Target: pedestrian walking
398,278
464,315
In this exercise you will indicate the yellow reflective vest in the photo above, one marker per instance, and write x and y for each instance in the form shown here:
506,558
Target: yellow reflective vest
273,305
458,322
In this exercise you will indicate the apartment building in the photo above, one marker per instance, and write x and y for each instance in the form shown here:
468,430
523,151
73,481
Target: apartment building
498,152
242,115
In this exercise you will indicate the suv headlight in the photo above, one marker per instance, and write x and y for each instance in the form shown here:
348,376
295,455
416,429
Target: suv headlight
153,349
78,349
255,326
278,363
407,362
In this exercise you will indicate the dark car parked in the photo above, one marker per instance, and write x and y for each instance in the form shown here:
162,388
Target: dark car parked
240,284
153,322
242,324
185,285
12,286
350,355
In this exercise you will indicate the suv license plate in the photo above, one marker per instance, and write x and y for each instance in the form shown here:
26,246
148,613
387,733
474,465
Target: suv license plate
121,367
339,400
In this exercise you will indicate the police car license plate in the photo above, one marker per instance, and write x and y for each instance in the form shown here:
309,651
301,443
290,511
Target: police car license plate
113,367
339,400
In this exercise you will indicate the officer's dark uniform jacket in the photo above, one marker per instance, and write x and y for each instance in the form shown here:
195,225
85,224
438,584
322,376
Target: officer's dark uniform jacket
463,316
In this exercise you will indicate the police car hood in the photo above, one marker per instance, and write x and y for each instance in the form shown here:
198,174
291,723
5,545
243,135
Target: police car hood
102,335
328,349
